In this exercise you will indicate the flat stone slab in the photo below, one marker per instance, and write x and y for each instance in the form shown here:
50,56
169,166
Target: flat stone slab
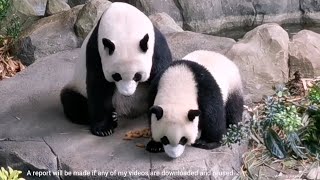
36,138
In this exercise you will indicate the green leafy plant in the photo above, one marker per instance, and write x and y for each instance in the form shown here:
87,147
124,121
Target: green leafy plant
14,27
285,128
4,5
10,174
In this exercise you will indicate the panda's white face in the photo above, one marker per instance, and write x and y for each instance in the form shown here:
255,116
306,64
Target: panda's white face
126,43
174,127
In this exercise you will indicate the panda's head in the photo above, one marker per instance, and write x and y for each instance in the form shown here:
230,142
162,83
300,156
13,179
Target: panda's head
175,127
126,43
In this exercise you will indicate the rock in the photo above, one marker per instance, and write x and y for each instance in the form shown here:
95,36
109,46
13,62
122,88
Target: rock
89,16
29,156
38,136
270,11
150,7
47,36
30,7
310,10
73,3
182,43
304,54
212,16
314,173
26,12
262,57
56,6
165,23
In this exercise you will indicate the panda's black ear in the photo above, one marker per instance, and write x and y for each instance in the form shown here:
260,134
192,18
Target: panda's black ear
157,110
108,44
193,114
144,43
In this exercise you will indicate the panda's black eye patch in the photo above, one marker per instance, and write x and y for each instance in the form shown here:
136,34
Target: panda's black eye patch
183,141
144,43
137,77
117,77
108,44
164,140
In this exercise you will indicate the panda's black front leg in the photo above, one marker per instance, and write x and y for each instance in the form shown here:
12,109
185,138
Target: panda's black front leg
154,147
100,108
200,143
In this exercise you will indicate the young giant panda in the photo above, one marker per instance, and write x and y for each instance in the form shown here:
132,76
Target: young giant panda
196,100
118,60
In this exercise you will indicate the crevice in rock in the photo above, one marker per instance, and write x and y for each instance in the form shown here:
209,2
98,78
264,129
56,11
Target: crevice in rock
20,140
208,169
150,158
303,13
184,23
57,157
255,14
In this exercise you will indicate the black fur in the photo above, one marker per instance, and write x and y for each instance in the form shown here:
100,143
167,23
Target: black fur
234,108
99,90
108,44
100,110
157,110
214,117
162,57
154,147
144,43
75,106
193,114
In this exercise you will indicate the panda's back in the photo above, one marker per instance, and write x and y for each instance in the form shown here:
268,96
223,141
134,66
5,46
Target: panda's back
224,71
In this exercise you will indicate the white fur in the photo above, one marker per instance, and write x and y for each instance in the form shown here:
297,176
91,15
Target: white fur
125,26
174,151
224,71
127,58
177,94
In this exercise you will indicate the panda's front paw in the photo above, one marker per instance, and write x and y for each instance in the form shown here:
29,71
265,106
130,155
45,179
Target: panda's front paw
205,145
154,147
103,128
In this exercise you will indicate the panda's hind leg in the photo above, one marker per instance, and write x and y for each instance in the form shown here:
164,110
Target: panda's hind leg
75,106
234,108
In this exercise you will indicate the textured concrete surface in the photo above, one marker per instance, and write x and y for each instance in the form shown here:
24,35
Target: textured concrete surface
36,138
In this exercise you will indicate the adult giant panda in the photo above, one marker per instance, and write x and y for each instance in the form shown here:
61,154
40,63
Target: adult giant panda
196,100
118,60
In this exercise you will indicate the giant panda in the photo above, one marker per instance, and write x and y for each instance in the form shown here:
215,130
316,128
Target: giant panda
118,60
196,99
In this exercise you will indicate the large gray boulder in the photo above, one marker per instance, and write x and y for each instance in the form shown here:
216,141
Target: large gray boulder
262,57
304,54
57,6
89,16
165,23
183,43
211,16
270,11
310,10
35,135
47,36
26,12
157,6
30,7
